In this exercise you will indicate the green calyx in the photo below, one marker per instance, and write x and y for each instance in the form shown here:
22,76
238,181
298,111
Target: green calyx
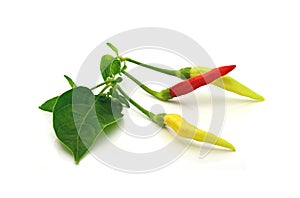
158,119
184,73
163,95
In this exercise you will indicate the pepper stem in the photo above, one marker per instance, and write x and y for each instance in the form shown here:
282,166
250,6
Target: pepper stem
105,88
139,107
99,85
157,118
165,71
163,95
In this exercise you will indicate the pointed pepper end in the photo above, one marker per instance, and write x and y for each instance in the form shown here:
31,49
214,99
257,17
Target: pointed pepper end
260,98
233,148
257,97
226,69
229,146
231,67
225,144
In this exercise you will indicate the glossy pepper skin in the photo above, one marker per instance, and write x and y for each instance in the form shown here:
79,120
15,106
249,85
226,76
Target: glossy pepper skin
185,129
225,82
197,81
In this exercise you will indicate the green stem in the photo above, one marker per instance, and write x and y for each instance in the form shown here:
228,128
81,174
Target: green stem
147,89
162,95
165,71
106,87
99,85
139,107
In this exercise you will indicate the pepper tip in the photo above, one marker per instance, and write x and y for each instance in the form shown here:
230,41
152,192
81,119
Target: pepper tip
261,98
232,67
226,69
258,97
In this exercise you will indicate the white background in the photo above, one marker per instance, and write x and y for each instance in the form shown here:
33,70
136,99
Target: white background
39,42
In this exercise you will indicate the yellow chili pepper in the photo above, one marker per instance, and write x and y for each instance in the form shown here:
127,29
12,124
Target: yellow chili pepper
228,83
185,129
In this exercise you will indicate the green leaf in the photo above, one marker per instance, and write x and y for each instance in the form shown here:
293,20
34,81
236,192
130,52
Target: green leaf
114,93
113,48
123,101
110,91
70,81
109,66
49,104
115,67
120,98
105,63
79,117
124,68
119,79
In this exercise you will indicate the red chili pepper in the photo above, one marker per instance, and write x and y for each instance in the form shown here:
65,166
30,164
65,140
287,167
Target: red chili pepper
191,84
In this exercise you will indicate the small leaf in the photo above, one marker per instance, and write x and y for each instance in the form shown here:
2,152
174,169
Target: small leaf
79,117
49,104
105,63
123,101
120,98
114,93
70,81
113,48
115,67
110,91
119,79
124,68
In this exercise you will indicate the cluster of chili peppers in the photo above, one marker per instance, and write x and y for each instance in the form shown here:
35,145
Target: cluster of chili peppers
94,112
193,78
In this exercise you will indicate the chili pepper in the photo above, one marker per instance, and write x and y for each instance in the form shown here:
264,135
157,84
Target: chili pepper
180,125
226,82
185,86
195,82
186,130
